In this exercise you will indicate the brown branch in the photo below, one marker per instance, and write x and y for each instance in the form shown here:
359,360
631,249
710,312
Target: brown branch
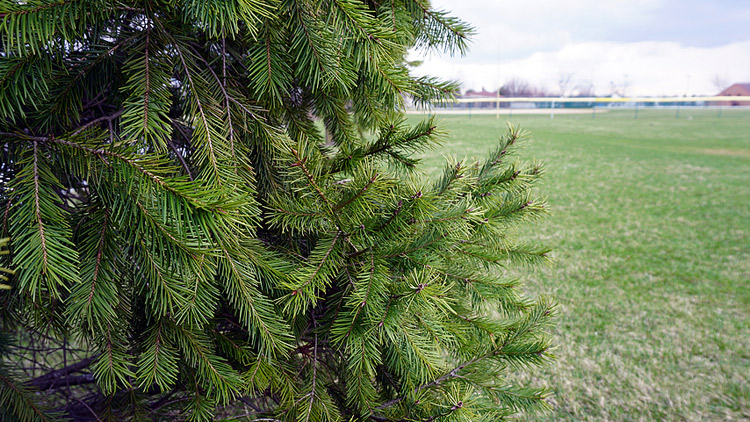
360,193
62,377
301,163
66,382
361,29
176,151
389,80
36,9
467,280
393,215
83,403
147,75
176,124
37,209
5,215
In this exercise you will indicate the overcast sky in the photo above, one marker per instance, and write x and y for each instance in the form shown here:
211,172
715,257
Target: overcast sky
644,47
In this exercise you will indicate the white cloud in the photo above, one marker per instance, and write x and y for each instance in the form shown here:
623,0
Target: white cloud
510,27
656,43
648,68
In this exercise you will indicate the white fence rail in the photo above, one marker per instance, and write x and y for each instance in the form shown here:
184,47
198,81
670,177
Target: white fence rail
567,105
599,100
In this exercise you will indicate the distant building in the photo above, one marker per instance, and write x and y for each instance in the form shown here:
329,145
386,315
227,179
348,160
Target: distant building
471,94
737,90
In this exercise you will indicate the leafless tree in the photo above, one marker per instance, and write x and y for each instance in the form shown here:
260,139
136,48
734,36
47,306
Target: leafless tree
517,87
721,82
564,82
585,89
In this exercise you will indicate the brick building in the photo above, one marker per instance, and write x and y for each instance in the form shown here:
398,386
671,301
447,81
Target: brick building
738,89
470,94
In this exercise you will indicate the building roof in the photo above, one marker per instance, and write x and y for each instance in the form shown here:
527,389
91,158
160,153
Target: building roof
480,94
745,86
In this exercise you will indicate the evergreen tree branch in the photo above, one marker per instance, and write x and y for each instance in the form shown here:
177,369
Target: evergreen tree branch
246,298
314,378
109,118
131,162
221,83
514,134
99,253
358,194
532,320
38,210
319,266
165,173
202,113
22,399
311,180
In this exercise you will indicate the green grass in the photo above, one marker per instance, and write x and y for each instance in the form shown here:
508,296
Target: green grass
650,226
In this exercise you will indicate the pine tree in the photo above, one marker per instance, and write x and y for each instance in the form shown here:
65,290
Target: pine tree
215,210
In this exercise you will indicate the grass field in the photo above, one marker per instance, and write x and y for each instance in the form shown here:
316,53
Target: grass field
651,230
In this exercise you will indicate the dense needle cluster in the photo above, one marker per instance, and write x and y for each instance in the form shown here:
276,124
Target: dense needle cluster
215,211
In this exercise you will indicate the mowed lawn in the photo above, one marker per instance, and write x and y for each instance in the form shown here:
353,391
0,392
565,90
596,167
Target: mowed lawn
650,225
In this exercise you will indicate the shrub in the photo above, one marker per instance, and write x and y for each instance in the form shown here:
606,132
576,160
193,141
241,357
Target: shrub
189,242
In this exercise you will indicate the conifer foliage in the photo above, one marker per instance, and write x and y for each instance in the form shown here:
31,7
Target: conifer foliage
215,210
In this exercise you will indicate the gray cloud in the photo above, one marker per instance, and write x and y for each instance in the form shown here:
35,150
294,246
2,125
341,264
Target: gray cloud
660,47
